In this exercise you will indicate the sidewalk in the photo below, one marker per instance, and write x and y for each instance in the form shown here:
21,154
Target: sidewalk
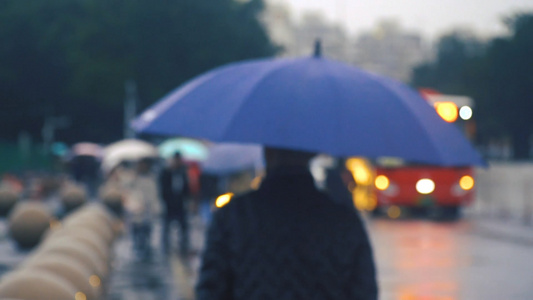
163,276
513,231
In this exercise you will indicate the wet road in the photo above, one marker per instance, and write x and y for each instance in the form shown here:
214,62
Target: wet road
473,259
470,259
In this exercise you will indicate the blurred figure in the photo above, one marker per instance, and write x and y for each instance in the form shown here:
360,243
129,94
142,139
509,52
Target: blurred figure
120,176
338,183
194,172
115,189
174,187
209,191
13,182
85,170
287,240
143,206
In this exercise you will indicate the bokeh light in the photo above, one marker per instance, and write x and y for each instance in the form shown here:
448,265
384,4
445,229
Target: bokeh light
466,182
80,296
425,186
447,111
95,281
394,212
382,182
222,200
465,113
360,170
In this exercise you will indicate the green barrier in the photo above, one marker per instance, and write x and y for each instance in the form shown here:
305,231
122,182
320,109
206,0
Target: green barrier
13,160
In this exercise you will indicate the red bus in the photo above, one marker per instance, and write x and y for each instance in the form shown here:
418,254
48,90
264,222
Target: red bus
397,188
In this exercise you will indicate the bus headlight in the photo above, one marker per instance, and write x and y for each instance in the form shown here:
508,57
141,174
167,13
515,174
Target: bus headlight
425,186
382,182
466,182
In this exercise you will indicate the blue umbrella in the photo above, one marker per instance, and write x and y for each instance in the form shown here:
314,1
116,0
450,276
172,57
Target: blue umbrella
226,158
313,104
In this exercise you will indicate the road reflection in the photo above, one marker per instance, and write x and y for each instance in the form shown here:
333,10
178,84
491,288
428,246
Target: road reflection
419,260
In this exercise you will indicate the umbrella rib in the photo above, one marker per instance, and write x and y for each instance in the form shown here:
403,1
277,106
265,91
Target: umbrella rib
338,139
262,78
386,89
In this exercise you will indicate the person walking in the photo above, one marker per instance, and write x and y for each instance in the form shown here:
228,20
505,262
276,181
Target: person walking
287,240
143,206
174,187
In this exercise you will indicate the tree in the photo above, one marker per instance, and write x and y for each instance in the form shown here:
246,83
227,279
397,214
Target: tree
499,76
510,72
460,68
451,70
72,57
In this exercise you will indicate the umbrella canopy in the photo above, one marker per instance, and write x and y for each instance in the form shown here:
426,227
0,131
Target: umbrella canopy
311,104
87,149
230,158
191,150
126,150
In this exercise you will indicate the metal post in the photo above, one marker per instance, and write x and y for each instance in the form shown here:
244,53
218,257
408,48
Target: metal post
527,213
130,107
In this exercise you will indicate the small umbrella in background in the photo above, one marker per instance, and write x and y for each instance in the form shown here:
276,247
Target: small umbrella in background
228,158
126,150
312,104
87,149
190,149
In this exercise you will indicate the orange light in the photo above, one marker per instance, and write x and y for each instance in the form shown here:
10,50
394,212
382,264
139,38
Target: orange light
360,170
466,182
94,281
80,296
223,200
447,110
382,182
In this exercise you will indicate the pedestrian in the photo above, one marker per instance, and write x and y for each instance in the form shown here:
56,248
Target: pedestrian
85,171
286,240
143,206
174,187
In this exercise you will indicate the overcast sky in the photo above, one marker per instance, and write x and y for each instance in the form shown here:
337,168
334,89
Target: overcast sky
430,17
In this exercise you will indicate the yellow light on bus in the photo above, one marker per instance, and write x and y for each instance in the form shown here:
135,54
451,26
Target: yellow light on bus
425,186
382,182
447,111
466,182
223,200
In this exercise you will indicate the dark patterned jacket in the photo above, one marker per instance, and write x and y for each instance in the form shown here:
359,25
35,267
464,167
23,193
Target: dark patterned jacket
174,201
286,240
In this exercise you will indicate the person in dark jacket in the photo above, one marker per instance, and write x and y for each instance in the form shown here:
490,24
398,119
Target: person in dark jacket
287,240
174,188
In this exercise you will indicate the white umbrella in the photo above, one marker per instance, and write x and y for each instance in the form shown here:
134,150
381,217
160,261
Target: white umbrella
87,149
190,149
127,150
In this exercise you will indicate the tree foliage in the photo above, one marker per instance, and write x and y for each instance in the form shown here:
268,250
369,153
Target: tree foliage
72,57
497,74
